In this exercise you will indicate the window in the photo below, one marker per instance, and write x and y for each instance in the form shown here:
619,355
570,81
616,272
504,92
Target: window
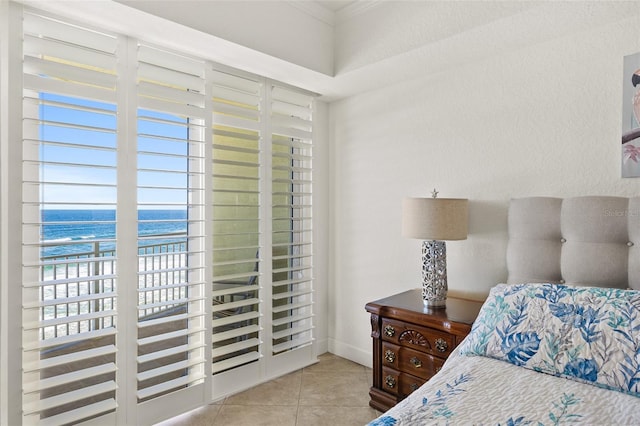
166,223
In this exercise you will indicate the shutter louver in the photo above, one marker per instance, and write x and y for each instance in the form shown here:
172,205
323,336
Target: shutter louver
170,222
69,224
236,221
292,298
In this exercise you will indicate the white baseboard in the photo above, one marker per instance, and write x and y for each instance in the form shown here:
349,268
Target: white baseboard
322,346
351,352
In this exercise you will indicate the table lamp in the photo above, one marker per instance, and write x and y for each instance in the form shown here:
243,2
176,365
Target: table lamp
434,220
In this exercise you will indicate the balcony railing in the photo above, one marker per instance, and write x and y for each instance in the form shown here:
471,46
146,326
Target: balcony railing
82,283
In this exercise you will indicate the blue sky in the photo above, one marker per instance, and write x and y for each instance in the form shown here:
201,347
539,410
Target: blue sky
99,158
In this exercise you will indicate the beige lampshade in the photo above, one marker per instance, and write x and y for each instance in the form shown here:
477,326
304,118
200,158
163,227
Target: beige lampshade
435,218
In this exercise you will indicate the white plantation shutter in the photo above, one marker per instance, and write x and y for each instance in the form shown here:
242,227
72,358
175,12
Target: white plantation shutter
170,178
69,300
291,151
166,227
236,221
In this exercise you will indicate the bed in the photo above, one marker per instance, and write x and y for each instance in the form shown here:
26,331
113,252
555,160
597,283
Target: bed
559,342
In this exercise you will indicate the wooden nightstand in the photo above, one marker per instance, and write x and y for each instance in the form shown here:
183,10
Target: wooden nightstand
411,342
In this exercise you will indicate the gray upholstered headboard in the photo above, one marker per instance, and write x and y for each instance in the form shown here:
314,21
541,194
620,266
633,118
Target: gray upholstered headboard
592,241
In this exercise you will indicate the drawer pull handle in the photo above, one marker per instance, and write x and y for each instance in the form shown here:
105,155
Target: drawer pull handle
441,345
389,331
390,381
414,386
416,362
389,356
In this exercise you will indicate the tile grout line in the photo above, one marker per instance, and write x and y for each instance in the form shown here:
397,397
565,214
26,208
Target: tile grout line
299,395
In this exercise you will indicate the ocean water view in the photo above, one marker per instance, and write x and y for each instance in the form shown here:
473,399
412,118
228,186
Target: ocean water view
79,260
69,232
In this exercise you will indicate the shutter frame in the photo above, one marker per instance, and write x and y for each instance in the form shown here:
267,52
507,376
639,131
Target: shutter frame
68,320
237,234
170,116
292,218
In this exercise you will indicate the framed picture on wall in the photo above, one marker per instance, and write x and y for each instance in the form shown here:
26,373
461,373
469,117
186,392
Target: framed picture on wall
631,116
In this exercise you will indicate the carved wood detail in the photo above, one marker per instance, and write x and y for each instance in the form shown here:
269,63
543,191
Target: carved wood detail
375,326
414,338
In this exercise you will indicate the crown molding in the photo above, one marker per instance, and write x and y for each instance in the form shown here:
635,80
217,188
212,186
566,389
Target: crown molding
356,8
315,10
331,18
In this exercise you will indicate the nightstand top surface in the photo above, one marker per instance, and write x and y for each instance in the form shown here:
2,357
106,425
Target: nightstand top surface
458,310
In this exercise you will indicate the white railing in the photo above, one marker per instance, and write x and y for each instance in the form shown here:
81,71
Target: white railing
79,284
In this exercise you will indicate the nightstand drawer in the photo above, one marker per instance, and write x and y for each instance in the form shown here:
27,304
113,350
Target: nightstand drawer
410,335
419,364
398,383
391,355
410,361
391,380
409,383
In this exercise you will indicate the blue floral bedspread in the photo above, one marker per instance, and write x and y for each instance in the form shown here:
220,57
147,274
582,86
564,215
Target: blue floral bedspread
474,390
538,354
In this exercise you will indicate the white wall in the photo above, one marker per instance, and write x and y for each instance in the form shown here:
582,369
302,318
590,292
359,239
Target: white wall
321,237
539,120
403,26
277,28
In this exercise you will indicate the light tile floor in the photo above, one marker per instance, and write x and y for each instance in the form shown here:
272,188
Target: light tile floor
335,391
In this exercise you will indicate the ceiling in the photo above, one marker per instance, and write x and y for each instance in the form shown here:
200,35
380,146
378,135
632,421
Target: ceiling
335,5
